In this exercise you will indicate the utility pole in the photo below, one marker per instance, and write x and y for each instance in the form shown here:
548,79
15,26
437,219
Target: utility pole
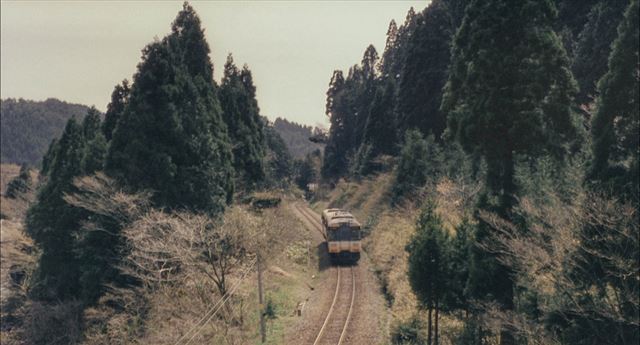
263,333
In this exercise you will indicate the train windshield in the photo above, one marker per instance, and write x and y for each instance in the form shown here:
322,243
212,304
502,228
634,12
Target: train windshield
344,233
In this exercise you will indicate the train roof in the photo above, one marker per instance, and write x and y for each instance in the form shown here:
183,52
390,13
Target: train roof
342,217
327,212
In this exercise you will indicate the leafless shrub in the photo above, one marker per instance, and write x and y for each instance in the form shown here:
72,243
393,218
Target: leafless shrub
104,325
173,247
100,195
552,257
495,319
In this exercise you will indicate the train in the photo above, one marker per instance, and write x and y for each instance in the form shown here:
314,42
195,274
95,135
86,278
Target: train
343,235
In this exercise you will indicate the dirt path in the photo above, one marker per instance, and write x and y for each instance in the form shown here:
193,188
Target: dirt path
368,323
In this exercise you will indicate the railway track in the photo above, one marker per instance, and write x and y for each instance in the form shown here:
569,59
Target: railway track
309,216
336,323
335,326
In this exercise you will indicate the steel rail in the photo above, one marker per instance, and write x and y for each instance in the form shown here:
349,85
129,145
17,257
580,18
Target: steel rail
353,297
333,304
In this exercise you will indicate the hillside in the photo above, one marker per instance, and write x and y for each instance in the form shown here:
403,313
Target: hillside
296,137
29,126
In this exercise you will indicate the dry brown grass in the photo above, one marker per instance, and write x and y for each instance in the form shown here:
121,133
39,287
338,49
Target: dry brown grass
14,209
17,259
454,201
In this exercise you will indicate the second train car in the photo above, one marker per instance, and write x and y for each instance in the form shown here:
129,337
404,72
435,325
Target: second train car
343,234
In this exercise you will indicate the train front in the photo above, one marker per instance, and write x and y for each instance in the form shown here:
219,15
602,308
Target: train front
343,237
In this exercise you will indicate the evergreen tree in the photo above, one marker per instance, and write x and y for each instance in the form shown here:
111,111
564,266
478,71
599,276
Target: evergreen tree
91,124
388,59
427,269
613,172
241,114
458,268
335,161
305,172
94,154
615,125
52,223
171,137
279,160
21,184
362,162
380,128
509,93
571,20
424,69
115,108
395,50
47,159
364,87
419,161
594,46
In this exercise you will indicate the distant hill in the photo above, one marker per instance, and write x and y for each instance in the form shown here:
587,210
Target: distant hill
296,136
27,127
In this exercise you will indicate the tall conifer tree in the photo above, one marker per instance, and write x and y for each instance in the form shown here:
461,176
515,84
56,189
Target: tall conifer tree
594,46
510,89
52,223
95,144
115,108
509,94
380,128
171,137
615,125
335,153
424,68
241,114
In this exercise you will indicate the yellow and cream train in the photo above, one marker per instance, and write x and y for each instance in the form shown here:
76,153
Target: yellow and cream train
342,233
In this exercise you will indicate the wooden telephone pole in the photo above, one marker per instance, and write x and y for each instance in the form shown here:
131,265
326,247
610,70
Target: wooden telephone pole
263,332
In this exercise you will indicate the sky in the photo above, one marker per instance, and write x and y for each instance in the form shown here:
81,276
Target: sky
78,51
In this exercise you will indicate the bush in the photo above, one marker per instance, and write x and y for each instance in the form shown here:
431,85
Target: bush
20,185
420,161
406,332
55,323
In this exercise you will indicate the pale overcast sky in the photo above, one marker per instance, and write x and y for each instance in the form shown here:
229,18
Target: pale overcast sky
78,50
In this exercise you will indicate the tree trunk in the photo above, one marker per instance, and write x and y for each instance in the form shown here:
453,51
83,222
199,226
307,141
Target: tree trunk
506,333
436,324
429,328
509,190
506,337
508,183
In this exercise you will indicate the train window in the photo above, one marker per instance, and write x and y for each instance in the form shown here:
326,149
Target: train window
343,233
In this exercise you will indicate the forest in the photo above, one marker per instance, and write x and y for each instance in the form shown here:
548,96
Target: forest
296,136
28,127
527,111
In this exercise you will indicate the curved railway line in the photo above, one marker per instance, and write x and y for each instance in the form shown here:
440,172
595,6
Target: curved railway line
336,323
